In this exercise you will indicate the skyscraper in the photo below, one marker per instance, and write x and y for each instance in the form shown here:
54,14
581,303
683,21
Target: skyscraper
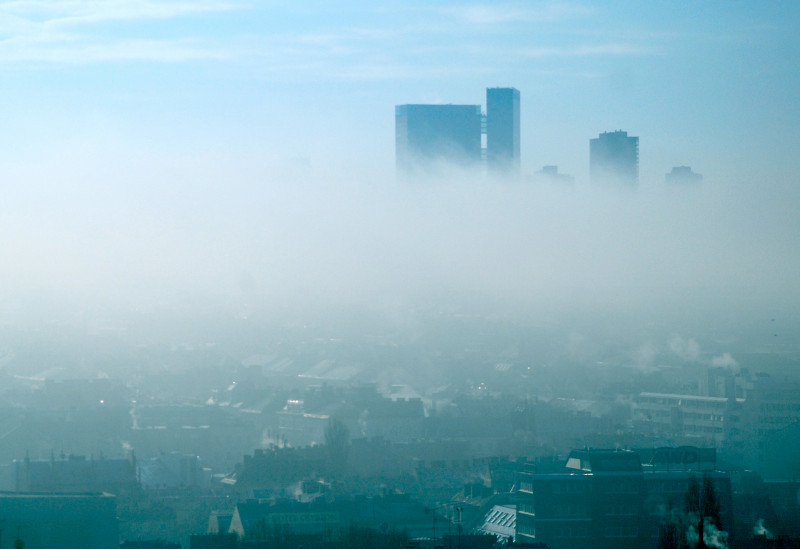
614,158
426,135
502,130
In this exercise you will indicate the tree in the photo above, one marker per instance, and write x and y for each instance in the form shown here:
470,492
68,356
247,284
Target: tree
709,503
701,506
672,533
700,514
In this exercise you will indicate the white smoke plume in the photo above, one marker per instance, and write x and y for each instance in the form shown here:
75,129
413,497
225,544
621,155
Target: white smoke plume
724,360
687,349
760,529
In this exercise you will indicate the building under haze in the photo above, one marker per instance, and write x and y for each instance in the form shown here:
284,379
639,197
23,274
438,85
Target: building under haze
604,498
737,412
683,175
502,131
58,520
614,158
550,174
428,135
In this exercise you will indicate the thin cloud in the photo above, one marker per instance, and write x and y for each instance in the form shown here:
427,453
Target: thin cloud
72,31
492,14
77,12
406,72
61,31
586,51
68,51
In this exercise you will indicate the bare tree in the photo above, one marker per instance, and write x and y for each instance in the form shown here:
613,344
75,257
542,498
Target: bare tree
702,506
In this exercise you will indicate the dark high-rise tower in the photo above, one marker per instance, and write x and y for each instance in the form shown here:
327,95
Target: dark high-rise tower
502,130
614,158
426,135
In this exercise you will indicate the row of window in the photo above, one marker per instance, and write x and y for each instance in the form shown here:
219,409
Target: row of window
569,487
623,530
526,486
572,531
528,529
524,508
569,509
646,402
621,509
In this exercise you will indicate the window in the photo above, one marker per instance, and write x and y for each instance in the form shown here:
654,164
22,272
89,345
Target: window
622,530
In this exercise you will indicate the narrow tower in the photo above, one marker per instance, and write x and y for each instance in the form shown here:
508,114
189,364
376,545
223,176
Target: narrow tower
502,131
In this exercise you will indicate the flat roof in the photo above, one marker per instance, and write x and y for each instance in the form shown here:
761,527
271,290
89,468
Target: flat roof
682,396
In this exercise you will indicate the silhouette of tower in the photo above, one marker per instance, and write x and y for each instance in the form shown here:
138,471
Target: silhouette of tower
502,131
614,158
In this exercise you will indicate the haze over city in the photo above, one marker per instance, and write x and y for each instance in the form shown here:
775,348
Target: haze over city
204,208
172,145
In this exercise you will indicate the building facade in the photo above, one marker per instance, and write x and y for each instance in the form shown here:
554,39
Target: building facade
502,131
432,139
430,136
614,158
58,520
75,474
609,499
739,411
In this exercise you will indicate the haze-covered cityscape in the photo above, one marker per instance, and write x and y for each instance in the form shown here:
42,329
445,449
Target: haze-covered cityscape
408,275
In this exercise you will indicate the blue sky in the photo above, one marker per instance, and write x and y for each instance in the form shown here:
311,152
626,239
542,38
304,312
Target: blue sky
711,84
154,120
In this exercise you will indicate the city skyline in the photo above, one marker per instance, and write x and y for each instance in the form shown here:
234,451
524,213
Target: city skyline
225,147
433,140
225,321
183,77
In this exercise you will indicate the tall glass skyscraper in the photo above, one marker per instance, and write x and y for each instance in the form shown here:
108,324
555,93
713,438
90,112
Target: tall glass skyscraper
429,135
502,131
428,138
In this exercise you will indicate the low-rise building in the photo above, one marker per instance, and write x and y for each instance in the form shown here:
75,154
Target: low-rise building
736,416
64,520
75,474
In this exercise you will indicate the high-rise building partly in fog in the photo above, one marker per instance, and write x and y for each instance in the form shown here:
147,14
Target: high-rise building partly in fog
614,158
429,135
502,130
683,175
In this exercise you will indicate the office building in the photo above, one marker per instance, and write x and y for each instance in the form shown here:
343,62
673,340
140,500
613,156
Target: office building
614,158
429,136
75,474
432,139
502,131
604,498
737,413
58,520
683,175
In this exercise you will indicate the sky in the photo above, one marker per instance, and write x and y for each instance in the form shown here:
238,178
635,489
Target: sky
227,145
